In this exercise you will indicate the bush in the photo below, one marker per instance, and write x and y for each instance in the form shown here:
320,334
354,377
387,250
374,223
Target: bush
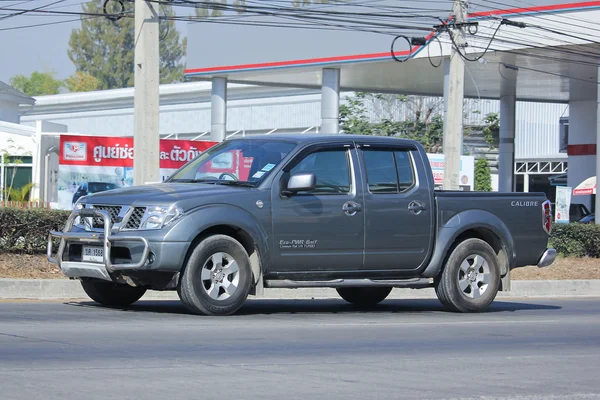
26,230
483,177
576,240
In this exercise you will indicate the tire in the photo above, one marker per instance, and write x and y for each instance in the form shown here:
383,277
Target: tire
364,296
470,279
112,294
217,278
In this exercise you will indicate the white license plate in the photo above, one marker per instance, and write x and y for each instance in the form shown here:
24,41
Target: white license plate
94,254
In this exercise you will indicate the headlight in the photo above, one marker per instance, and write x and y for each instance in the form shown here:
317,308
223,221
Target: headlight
159,217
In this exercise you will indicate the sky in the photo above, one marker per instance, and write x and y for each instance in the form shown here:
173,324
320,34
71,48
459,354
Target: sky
44,48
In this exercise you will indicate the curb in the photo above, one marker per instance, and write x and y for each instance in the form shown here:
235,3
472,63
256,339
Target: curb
58,289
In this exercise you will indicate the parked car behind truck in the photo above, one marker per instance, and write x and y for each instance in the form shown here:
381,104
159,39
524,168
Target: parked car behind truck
355,213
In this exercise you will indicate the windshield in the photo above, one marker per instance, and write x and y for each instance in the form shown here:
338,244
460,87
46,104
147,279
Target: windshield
94,187
246,161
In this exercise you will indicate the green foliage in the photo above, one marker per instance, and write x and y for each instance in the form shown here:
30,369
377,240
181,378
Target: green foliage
26,230
483,177
19,194
491,130
82,82
424,124
37,84
576,240
9,191
105,49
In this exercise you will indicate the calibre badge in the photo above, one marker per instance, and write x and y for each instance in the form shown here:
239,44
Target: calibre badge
260,204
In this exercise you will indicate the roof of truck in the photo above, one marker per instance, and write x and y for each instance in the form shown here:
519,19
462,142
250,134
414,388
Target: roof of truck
318,138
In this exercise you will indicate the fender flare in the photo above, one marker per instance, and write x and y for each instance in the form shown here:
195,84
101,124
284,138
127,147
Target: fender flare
209,216
461,223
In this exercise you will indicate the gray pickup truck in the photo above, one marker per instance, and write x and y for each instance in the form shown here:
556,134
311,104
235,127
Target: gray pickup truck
354,213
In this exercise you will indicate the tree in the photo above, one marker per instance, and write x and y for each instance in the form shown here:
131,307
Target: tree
491,130
412,117
38,84
483,177
82,82
104,49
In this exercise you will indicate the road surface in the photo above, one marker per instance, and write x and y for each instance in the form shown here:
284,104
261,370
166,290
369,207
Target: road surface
301,349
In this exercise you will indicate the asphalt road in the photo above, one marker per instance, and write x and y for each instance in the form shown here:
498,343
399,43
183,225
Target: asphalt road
301,349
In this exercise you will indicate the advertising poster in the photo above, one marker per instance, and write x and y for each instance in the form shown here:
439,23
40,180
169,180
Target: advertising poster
467,171
90,164
562,205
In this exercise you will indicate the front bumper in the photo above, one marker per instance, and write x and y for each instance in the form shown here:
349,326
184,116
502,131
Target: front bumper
106,239
547,258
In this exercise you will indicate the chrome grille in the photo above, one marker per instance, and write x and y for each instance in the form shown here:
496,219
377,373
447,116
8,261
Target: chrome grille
113,211
135,219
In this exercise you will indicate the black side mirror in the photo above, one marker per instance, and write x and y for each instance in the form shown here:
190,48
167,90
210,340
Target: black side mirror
300,183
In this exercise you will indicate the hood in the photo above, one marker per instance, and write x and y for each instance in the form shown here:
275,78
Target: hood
160,193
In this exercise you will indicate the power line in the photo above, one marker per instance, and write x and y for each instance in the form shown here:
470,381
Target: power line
21,12
45,24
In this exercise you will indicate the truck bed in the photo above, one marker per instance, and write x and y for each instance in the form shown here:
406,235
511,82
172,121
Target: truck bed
520,213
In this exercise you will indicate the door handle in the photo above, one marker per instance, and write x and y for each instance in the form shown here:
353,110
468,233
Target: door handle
351,208
416,207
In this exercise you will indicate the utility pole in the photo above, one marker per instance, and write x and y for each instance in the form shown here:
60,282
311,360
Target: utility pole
146,139
453,124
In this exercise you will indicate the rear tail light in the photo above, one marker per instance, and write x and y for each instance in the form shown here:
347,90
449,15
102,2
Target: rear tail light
547,216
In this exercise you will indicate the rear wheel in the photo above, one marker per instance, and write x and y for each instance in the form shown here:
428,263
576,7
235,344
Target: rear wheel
364,296
217,277
471,277
112,294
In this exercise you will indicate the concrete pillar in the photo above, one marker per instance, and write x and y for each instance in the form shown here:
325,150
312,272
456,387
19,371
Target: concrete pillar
330,101
597,219
218,109
506,153
526,183
581,148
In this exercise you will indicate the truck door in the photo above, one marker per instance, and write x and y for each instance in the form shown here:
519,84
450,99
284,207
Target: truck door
398,208
321,229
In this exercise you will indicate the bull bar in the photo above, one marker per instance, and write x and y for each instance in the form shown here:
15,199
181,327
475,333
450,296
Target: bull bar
106,239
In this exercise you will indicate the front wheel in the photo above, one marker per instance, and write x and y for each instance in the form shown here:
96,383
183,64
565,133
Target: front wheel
364,296
112,294
217,277
471,277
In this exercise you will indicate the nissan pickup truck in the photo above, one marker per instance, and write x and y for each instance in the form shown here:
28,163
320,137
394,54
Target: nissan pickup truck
354,213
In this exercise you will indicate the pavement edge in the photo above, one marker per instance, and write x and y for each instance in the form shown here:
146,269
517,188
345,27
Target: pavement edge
58,289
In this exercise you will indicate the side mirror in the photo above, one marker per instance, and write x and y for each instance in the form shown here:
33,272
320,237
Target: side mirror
300,183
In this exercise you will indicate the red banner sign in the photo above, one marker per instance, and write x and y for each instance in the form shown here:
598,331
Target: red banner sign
107,151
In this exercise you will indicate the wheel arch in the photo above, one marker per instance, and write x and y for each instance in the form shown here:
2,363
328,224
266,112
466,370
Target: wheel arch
235,223
476,224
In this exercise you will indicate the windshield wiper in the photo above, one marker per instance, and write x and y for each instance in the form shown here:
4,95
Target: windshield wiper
193,181
235,183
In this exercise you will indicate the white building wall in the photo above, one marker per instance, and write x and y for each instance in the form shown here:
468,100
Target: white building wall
185,110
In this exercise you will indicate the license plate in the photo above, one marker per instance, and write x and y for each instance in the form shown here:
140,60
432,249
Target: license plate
94,254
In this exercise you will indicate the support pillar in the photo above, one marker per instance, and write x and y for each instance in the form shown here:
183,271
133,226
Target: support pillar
582,147
146,139
508,103
330,101
526,183
596,218
218,109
